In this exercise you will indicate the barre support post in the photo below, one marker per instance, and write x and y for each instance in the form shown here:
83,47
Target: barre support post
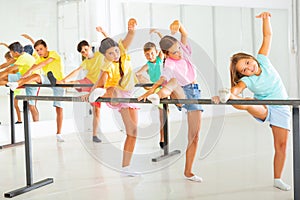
166,154
296,152
12,124
28,161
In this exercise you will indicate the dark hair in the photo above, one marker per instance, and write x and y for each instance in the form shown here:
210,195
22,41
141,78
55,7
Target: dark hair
148,46
7,55
106,44
42,42
28,49
16,47
82,44
235,76
120,71
166,43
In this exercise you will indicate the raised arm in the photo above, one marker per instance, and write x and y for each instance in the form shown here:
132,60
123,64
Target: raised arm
101,30
267,33
28,38
153,30
4,44
177,26
130,34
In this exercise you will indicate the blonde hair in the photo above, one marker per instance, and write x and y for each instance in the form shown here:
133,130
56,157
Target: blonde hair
235,76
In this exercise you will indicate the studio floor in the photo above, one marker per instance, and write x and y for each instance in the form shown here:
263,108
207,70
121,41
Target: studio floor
234,160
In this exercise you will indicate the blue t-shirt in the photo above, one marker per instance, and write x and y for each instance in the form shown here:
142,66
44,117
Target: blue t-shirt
154,69
268,85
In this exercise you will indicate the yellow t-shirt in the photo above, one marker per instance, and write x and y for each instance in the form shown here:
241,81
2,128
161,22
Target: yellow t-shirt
93,66
24,62
112,68
35,55
55,66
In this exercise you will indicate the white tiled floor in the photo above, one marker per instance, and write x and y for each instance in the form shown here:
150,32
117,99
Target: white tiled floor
238,168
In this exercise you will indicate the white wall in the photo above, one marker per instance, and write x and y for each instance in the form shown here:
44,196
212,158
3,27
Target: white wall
219,30
37,18
219,27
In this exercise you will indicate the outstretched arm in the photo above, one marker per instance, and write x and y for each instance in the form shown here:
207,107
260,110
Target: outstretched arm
28,38
37,66
238,89
71,75
130,34
142,70
152,89
101,30
267,33
8,63
226,94
177,26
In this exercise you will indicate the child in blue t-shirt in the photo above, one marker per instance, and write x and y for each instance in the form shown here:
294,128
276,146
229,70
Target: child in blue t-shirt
153,68
261,78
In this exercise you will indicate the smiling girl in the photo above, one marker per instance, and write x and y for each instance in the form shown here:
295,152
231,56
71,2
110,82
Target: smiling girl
261,78
115,81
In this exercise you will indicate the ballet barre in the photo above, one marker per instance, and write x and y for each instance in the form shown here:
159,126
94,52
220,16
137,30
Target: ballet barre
59,85
12,124
11,108
295,116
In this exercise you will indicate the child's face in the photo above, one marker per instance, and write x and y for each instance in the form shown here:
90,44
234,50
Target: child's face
175,51
7,58
112,54
85,51
41,50
14,54
247,67
151,54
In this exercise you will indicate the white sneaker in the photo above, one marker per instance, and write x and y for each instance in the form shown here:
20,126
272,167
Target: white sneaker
12,85
59,138
278,183
98,92
154,98
224,94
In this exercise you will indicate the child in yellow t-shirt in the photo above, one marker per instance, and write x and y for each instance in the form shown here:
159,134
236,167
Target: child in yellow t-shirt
47,61
118,80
